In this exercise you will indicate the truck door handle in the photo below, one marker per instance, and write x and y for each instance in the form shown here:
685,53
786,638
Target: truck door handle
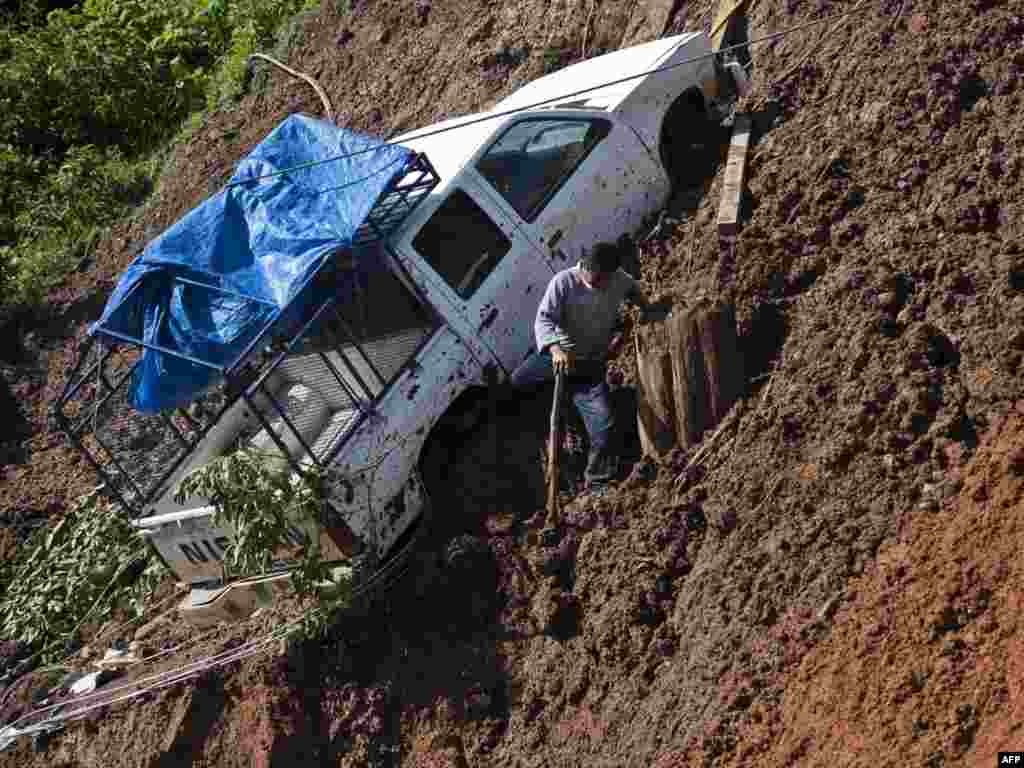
555,238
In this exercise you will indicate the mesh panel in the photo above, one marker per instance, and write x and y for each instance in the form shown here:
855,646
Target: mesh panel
333,430
143,445
135,451
310,400
316,372
333,375
307,413
389,354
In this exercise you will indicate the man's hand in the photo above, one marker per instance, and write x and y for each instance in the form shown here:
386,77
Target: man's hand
562,360
616,345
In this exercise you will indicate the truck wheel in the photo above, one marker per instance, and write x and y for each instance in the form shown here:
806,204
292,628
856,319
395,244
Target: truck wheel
685,131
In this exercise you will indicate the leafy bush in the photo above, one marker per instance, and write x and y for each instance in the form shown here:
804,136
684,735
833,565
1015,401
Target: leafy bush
261,503
84,568
100,75
87,94
59,215
126,72
256,28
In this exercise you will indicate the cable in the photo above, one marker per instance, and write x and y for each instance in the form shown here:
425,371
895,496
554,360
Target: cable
165,679
328,109
155,682
161,680
90,696
505,113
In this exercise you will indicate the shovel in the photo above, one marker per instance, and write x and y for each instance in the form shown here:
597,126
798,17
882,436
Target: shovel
554,508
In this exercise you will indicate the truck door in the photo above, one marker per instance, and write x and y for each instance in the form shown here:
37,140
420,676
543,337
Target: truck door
486,268
572,180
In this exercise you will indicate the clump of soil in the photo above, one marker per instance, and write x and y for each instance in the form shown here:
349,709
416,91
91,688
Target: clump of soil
833,583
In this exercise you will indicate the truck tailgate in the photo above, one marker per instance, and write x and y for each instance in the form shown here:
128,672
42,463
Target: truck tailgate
196,549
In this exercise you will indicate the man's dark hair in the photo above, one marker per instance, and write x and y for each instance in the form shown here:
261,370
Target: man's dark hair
603,257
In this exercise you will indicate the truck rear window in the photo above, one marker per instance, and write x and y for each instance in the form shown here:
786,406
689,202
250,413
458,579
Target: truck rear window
462,243
532,159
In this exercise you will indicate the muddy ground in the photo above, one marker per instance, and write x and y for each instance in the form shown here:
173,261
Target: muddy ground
834,583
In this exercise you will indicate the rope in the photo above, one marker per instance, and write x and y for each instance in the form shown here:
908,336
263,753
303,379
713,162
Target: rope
253,647
158,681
161,680
328,109
505,113
840,22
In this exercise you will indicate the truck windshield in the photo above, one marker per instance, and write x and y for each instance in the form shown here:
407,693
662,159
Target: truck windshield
533,158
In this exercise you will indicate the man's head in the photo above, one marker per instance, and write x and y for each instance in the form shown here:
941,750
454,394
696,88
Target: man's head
599,265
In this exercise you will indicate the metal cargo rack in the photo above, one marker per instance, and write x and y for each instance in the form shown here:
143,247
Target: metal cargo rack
137,454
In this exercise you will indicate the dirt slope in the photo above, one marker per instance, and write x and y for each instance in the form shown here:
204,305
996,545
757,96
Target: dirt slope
833,584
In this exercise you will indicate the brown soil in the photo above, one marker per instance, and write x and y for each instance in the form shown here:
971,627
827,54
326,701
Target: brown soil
833,583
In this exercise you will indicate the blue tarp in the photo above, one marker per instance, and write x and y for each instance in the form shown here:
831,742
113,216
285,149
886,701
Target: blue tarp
261,241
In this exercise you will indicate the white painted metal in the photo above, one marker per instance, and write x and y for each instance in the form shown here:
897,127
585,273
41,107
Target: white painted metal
196,548
685,66
610,193
500,312
619,178
379,459
608,67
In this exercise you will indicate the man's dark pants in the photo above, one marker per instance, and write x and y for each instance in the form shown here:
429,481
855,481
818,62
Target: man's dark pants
589,391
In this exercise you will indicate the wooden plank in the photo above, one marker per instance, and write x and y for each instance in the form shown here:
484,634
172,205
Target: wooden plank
690,373
656,418
732,184
726,10
723,364
689,377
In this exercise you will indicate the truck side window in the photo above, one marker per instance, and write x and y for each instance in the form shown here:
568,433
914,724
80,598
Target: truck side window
533,158
461,243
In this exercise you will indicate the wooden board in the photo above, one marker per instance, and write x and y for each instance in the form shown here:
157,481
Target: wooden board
723,364
689,378
690,373
656,418
732,183
727,9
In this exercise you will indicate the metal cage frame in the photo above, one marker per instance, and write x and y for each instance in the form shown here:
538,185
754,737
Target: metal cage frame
246,376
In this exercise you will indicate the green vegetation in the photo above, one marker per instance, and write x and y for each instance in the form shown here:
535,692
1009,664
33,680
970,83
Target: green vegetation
263,503
90,567
93,567
88,96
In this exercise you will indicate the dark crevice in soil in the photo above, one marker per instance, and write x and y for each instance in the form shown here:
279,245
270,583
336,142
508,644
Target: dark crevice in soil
17,428
761,340
204,709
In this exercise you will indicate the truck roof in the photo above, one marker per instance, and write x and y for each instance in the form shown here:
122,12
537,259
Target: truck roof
449,150
589,73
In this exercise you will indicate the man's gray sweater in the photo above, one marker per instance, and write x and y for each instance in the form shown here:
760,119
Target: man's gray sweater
579,318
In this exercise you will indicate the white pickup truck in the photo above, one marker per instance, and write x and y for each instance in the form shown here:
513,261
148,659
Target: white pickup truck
561,164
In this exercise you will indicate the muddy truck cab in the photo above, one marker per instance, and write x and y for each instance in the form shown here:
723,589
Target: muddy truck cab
341,296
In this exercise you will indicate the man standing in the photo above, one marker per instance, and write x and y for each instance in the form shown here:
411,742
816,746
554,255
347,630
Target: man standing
574,327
